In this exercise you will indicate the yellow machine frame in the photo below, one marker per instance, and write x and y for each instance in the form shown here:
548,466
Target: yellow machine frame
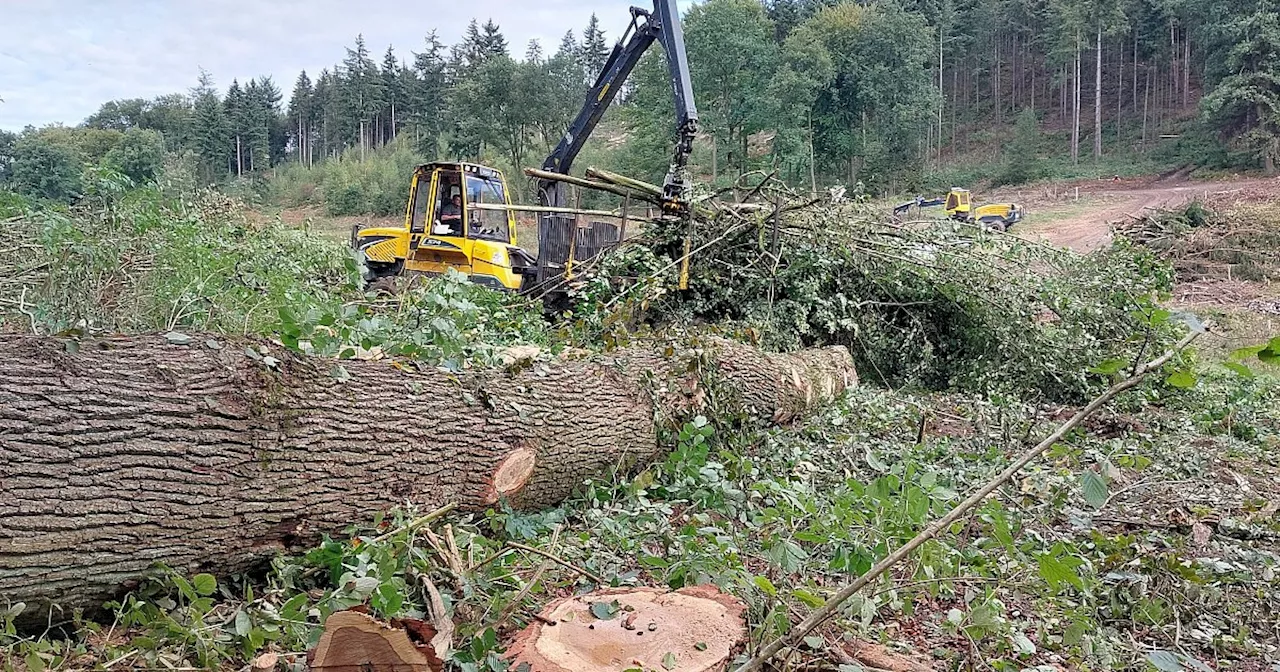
958,204
422,247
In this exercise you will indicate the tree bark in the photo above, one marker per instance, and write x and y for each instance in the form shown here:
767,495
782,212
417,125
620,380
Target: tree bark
1075,123
1097,100
133,450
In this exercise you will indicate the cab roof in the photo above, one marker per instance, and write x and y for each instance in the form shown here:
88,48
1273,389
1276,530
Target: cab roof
462,166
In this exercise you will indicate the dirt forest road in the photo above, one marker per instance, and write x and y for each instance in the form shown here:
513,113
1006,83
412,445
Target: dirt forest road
1085,225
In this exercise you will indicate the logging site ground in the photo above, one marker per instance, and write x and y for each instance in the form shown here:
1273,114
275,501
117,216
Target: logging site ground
494,489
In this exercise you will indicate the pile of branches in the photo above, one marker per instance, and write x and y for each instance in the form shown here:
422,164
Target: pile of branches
1211,241
936,304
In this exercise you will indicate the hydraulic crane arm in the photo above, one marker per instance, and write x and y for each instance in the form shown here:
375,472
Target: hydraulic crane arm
661,25
920,202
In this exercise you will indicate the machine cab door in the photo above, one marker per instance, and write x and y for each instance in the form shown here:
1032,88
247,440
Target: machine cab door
445,205
437,204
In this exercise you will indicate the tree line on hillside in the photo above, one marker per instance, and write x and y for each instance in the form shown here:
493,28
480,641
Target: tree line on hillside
820,90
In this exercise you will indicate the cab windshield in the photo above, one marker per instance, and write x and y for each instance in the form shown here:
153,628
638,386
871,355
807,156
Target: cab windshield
486,224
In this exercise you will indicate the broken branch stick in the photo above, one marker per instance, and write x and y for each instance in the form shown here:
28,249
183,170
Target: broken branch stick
559,561
931,530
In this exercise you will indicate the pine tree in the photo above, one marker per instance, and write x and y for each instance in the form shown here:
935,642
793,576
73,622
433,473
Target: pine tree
359,89
533,53
391,96
266,132
595,51
323,114
492,43
1246,103
300,106
470,53
237,122
427,99
209,130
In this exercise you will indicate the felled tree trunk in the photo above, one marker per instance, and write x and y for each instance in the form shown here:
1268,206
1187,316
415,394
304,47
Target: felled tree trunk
132,451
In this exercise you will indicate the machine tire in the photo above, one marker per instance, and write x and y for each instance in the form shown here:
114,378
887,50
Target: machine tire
388,285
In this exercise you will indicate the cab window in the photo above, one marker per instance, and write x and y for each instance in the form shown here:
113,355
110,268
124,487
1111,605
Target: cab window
421,204
486,224
448,217
953,201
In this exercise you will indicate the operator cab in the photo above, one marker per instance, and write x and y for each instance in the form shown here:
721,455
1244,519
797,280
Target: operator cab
445,196
447,226
958,201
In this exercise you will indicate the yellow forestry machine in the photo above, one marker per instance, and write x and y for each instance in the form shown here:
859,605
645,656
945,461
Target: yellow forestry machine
958,204
459,214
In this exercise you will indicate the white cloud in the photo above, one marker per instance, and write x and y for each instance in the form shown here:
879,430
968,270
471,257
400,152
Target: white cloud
61,59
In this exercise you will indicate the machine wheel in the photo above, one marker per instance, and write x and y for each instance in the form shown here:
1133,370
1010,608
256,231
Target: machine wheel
387,285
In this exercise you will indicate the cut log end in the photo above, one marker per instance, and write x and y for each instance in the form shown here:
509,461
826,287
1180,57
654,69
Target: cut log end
697,629
512,473
357,642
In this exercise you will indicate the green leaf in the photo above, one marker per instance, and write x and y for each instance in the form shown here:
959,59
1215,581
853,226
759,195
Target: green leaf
243,623
1271,353
815,642
764,584
184,587
809,599
1181,380
1109,367
1247,353
204,584
339,372
1095,489
1059,570
1238,368
387,599
292,609
177,338
984,616
1075,633
701,646
34,662
669,661
605,610
1165,661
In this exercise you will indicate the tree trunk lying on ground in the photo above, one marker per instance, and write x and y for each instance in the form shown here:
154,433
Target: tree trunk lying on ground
125,452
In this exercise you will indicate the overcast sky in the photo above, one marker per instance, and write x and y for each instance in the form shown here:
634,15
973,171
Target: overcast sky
61,59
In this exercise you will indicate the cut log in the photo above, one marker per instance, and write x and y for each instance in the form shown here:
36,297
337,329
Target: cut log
696,629
357,642
131,451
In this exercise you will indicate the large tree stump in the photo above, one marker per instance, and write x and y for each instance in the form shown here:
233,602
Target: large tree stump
129,451
696,629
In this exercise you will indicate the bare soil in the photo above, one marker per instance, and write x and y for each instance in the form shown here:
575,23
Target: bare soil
1079,215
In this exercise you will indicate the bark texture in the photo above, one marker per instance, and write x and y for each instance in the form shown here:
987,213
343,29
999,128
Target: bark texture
132,451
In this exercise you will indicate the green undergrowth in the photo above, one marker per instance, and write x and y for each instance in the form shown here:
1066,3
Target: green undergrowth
162,257
1142,538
